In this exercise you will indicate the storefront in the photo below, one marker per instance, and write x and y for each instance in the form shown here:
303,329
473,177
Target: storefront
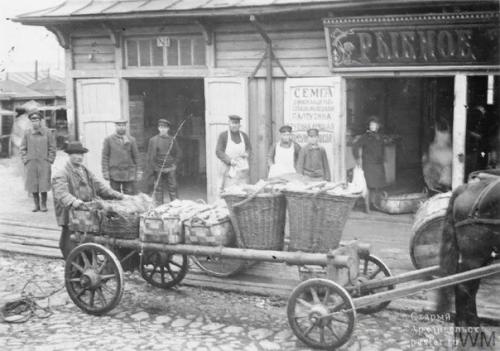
326,64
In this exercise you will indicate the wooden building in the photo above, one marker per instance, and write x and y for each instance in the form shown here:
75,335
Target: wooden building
325,63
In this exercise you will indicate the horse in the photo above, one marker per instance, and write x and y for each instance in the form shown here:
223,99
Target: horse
470,238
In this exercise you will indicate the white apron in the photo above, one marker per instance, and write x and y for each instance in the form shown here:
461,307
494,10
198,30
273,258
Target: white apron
283,161
234,175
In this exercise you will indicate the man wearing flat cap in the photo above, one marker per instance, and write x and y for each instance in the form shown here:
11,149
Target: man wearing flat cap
38,152
120,159
233,149
282,156
313,162
162,159
74,185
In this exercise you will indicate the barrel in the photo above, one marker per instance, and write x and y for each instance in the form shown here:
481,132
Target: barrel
427,229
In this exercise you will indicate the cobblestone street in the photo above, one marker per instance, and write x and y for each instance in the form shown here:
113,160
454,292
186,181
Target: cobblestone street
180,319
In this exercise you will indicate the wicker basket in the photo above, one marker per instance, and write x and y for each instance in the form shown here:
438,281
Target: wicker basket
120,225
84,221
197,232
166,230
317,220
260,220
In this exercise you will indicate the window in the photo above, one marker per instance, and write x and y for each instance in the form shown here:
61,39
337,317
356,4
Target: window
165,51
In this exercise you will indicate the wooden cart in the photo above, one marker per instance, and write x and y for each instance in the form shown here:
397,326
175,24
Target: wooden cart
321,312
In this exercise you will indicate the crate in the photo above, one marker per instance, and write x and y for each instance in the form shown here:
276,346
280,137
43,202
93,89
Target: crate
120,225
166,230
317,220
84,221
260,220
197,232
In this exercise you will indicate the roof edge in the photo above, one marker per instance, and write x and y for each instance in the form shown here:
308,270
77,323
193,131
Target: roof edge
244,10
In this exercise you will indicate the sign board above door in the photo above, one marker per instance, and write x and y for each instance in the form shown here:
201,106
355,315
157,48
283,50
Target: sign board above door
406,41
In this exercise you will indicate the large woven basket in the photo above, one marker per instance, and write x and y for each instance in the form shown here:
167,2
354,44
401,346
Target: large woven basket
317,220
260,220
120,225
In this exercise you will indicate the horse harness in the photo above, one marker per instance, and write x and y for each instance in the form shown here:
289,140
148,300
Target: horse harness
474,216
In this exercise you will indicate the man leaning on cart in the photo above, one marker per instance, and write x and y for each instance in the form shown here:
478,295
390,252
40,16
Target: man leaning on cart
72,186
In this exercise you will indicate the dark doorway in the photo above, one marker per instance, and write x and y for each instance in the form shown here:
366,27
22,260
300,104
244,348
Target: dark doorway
176,100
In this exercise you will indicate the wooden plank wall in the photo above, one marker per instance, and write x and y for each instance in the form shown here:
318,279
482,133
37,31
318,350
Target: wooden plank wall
86,42
259,122
299,45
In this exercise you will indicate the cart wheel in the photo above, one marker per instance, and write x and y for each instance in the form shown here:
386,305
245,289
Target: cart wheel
219,266
372,268
163,270
94,278
321,313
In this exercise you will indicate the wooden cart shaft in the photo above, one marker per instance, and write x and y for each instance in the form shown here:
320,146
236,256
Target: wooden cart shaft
436,283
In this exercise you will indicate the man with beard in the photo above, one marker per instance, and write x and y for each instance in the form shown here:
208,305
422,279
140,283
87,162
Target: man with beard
120,158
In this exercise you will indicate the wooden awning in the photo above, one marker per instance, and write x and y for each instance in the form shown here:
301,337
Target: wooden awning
80,10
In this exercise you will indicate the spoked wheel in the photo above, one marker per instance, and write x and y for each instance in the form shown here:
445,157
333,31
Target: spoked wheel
372,268
321,313
94,278
219,266
163,270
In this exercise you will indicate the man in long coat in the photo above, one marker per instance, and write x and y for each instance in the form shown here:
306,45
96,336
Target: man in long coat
120,158
72,186
38,152
162,158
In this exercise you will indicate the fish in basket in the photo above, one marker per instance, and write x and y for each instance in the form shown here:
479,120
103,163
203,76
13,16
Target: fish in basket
259,212
317,213
164,224
211,228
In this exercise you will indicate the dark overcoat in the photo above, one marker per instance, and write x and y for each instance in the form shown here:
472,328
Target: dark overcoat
38,152
69,185
373,157
120,157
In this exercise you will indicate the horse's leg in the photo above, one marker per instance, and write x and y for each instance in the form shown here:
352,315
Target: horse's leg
465,295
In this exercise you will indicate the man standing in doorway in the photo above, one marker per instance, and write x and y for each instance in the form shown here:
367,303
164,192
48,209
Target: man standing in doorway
120,157
163,157
233,149
38,152
282,156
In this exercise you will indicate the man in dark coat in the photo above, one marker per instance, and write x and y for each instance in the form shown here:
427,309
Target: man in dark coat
371,145
73,186
162,158
38,152
120,158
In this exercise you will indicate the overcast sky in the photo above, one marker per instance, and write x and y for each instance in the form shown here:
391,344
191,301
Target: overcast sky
21,46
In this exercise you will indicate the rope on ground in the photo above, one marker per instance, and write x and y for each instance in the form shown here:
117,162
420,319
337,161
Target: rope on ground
23,309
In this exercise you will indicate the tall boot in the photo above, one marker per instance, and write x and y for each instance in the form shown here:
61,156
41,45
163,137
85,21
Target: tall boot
43,205
36,201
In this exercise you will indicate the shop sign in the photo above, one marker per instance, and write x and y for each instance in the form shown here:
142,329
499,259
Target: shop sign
458,39
315,103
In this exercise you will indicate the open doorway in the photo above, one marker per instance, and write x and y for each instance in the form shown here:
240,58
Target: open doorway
175,100
413,112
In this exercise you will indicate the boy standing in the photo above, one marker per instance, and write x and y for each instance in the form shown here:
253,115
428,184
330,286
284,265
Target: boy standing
163,156
312,161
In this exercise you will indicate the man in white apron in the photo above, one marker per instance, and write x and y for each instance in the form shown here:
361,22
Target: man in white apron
282,156
233,149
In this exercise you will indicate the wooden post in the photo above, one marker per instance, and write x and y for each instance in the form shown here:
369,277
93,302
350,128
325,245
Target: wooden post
459,130
70,95
269,93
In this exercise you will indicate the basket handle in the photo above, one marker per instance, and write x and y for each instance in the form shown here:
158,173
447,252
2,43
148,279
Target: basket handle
257,192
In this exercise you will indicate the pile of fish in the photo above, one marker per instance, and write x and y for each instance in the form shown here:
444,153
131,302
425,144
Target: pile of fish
131,204
182,209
